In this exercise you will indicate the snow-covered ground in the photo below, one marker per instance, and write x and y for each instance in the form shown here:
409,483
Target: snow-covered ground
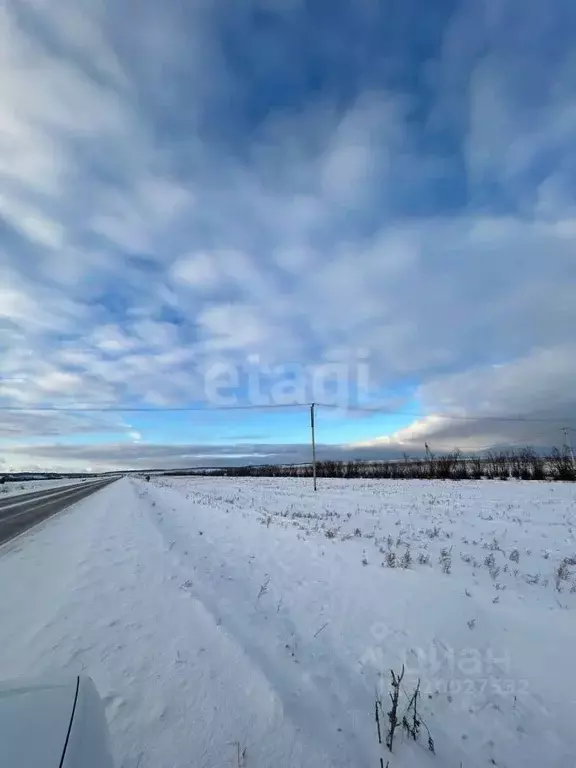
30,486
253,623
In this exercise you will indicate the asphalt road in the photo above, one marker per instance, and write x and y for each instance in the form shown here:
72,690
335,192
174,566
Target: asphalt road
20,512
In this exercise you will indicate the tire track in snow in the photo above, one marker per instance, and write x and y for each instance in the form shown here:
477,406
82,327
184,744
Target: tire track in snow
318,694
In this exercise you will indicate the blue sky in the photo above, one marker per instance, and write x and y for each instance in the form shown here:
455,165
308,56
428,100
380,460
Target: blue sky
284,188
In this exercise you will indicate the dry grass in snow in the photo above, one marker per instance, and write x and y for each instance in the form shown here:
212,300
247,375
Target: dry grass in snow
253,622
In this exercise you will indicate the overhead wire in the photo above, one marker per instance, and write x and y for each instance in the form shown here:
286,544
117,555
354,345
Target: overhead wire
284,406
456,417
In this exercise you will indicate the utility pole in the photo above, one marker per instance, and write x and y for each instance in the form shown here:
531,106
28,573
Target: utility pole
568,445
313,428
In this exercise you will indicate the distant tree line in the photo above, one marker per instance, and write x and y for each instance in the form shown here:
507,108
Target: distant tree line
525,464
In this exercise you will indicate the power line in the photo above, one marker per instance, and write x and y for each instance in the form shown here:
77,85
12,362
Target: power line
516,442
129,409
280,406
454,417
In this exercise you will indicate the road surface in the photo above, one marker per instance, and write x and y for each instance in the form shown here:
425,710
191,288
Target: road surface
20,512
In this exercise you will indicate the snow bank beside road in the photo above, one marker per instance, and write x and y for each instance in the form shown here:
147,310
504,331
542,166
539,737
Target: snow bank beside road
249,622
30,486
98,591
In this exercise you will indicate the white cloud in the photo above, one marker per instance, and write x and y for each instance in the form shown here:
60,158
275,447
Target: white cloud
513,388
197,270
464,408
233,326
110,338
14,304
412,436
37,111
32,224
60,382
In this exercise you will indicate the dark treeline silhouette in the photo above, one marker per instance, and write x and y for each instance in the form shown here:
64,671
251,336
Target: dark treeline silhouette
525,464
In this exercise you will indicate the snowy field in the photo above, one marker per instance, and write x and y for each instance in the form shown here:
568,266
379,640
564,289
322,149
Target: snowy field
254,623
30,486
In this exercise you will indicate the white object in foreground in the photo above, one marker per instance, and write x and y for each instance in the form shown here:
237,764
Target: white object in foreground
45,724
